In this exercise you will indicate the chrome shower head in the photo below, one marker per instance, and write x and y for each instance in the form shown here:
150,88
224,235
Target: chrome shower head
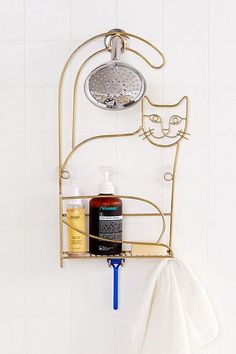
115,85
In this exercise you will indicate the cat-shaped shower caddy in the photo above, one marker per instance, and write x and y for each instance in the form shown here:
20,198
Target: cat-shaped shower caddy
161,125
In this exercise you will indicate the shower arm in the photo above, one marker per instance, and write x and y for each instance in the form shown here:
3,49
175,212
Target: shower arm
116,45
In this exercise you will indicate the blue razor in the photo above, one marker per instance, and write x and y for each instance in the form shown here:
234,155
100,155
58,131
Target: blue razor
115,263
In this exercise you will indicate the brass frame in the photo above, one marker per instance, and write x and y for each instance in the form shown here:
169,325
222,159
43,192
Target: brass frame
64,174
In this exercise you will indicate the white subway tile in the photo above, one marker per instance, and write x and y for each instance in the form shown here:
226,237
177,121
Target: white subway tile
47,19
131,124
41,201
12,20
12,155
87,19
222,243
12,295
41,156
41,110
48,293
94,265
222,156
222,291
91,120
190,241
221,202
48,334
13,200
84,285
91,156
186,20
141,18
12,334
222,20
222,64
186,64
44,62
186,192
42,247
222,106
144,156
190,222
103,335
193,158
12,251
12,110
12,64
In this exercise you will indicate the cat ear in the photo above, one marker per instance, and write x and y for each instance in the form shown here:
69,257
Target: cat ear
146,100
183,99
184,104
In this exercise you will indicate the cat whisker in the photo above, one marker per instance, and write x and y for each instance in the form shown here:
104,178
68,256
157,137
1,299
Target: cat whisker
146,133
182,134
142,134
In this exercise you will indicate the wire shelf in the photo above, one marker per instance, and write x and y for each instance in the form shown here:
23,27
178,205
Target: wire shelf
123,255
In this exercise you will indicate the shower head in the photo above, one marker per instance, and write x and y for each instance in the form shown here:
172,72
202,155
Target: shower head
115,85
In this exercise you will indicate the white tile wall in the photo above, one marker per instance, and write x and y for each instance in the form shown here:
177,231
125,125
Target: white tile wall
48,334
48,310
41,155
12,63
88,19
12,20
12,146
12,110
43,62
40,113
12,297
186,20
39,16
9,325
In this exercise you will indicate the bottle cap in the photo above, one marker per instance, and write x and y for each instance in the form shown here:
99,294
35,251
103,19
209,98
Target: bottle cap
75,192
106,186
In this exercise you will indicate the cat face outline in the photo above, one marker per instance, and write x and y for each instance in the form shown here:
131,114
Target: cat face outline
164,125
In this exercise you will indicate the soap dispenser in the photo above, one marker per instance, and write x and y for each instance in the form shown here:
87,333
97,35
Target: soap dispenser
105,218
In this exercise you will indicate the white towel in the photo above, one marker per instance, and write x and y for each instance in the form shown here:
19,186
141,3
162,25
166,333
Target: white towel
175,315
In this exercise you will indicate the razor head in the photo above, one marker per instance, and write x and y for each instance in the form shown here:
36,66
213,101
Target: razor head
115,86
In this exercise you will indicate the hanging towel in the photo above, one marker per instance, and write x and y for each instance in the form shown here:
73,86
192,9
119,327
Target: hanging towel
175,314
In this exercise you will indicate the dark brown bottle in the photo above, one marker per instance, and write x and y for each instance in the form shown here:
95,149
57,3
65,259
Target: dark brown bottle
105,219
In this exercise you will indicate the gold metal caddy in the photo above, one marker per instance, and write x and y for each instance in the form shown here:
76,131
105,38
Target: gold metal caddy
141,249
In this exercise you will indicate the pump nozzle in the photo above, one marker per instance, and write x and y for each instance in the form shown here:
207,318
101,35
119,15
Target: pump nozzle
75,192
106,186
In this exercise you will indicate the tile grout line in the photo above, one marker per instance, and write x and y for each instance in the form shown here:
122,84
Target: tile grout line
116,12
70,114
208,150
25,267
162,92
208,140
